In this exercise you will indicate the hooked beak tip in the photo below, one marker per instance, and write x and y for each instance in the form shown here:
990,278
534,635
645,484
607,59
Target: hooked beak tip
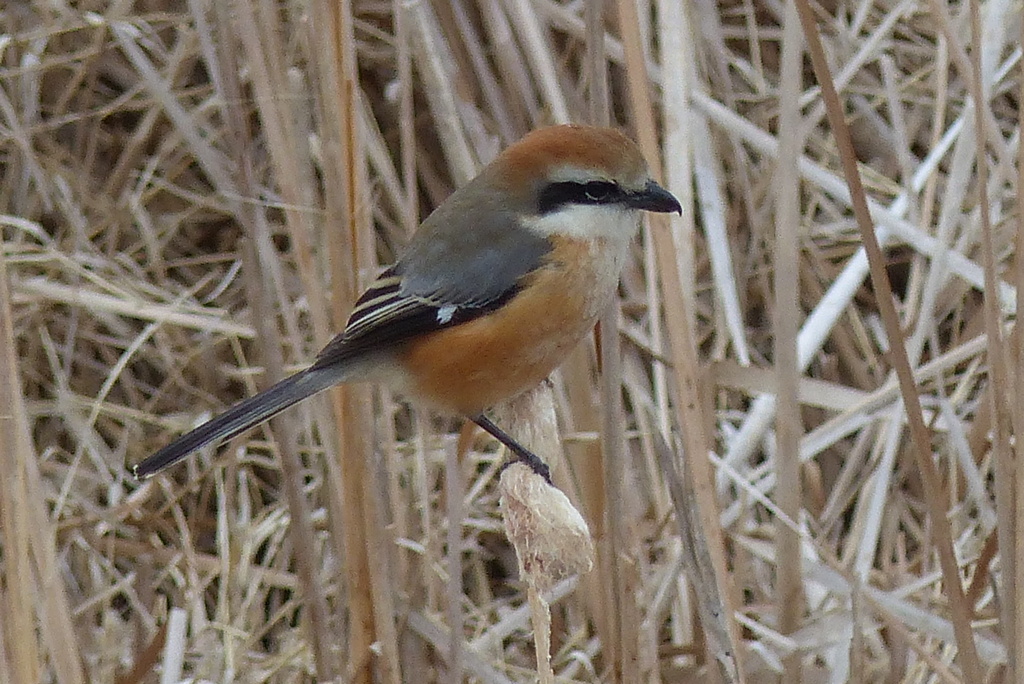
657,199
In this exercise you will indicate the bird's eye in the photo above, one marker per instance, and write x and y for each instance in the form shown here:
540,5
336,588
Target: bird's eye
598,191
554,196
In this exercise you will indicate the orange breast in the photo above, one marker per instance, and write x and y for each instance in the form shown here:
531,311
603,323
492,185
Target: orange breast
473,366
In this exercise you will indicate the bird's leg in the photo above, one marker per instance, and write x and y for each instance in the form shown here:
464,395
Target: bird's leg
522,454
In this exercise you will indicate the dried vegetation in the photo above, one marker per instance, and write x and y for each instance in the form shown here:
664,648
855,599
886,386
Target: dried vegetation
192,192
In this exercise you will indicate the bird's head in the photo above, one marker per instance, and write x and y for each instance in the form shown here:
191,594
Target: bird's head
580,181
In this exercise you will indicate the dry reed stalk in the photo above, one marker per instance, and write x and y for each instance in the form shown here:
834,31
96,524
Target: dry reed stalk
21,658
911,400
716,588
999,396
1009,473
618,551
788,421
349,254
262,51
551,539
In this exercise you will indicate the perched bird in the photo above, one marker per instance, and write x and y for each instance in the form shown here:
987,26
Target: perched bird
496,287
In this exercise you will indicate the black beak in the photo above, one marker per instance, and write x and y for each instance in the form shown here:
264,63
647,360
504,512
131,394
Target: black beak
655,198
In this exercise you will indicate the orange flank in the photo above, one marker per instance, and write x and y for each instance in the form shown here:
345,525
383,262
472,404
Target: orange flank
472,366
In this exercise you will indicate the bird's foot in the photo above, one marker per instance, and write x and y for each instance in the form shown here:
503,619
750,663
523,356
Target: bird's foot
520,453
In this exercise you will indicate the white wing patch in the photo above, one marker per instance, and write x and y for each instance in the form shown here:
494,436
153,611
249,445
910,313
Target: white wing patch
445,313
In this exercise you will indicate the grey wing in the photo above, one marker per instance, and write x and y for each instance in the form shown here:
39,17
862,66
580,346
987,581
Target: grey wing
450,274
454,261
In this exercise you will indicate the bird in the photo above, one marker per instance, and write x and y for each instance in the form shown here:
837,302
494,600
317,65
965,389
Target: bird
494,289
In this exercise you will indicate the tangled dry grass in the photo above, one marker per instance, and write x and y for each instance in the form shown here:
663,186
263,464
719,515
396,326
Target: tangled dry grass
192,192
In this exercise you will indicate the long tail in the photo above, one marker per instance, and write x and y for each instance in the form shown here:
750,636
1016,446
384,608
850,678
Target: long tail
242,416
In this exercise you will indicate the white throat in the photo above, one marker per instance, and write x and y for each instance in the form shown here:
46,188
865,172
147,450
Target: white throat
587,222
